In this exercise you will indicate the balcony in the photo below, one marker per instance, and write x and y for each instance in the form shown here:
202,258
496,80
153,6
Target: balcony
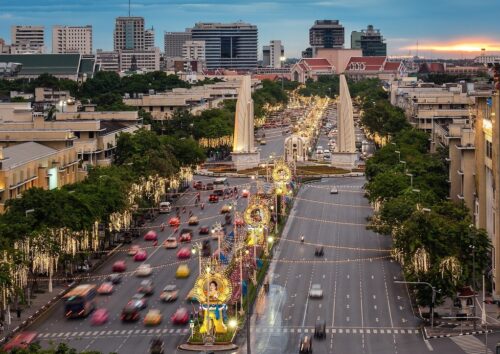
86,146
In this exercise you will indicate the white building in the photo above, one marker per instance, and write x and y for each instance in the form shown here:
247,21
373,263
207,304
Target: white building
144,60
27,39
149,38
193,50
108,60
72,39
487,59
272,54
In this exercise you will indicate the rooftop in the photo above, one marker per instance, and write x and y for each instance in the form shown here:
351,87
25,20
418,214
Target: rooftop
37,64
23,153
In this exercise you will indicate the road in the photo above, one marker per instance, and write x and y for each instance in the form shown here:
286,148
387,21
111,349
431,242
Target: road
132,338
364,310
274,143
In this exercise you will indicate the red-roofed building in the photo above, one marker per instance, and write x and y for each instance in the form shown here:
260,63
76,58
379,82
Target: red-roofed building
311,68
360,68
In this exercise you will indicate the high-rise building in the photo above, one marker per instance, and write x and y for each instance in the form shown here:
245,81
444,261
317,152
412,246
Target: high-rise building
326,34
149,39
307,53
72,39
174,42
129,33
193,50
372,43
356,39
28,39
272,54
228,45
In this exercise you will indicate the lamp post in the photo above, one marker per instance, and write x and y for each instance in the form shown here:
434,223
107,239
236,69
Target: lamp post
434,291
473,248
249,346
282,60
411,179
399,154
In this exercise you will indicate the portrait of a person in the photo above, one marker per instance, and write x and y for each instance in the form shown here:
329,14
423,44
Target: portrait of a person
213,292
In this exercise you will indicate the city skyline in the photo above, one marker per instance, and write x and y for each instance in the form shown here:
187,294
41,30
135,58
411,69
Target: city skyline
438,36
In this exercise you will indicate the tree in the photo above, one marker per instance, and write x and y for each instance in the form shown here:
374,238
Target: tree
186,150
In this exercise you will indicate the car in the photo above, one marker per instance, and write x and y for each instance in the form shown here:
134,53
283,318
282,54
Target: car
225,209
144,270
245,193
141,256
105,288
186,235
170,242
213,198
21,340
146,287
164,207
169,293
184,253
181,316
316,292
318,252
198,185
182,271
151,235
139,301
193,220
305,346
210,186
156,346
204,230
218,192
174,221
320,330
334,190
99,317
133,250
153,318
130,313
263,142
114,278
119,267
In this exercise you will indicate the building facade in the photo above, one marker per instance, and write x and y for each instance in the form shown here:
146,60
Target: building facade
356,39
272,54
193,50
311,68
149,39
174,42
108,60
228,45
27,39
144,60
129,33
326,34
72,39
372,43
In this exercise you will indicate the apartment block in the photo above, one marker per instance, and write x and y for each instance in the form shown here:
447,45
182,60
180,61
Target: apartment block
272,54
27,39
149,39
174,42
72,39
193,50
129,34
144,60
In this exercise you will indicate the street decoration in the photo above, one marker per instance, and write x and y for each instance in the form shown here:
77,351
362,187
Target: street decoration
257,215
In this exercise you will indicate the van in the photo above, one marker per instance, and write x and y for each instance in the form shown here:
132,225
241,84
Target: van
165,207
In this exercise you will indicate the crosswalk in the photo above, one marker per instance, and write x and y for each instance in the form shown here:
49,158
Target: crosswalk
470,345
114,333
359,330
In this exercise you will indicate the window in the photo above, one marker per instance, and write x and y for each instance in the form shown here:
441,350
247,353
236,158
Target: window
489,149
91,135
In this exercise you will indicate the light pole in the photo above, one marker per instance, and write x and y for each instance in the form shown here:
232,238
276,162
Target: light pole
433,300
411,179
197,248
399,154
282,60
404,163
249,346
473,248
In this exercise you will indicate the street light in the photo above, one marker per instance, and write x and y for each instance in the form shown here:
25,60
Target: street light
399,154
29,211
411,179
434,291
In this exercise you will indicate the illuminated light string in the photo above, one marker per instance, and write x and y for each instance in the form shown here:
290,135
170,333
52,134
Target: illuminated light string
170,264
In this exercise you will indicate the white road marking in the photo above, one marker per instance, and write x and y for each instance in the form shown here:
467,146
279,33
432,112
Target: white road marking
429,346
347,319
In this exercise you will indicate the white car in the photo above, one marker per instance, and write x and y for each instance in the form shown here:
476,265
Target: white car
334,190
144,270
316,292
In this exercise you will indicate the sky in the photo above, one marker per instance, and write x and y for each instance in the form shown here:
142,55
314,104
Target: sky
443,28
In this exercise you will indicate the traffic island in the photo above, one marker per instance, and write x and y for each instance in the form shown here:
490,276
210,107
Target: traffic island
207,348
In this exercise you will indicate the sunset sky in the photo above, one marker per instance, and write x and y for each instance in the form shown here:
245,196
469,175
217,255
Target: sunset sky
443,28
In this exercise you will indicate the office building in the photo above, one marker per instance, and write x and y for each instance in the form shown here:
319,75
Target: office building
228,45
356,39
371,42
108,60
326,34
174,42
149,39
307,53
27,39
129,33
272,54
143,60
72,39
193,50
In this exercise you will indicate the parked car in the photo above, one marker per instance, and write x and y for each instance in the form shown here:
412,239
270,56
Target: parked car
119,266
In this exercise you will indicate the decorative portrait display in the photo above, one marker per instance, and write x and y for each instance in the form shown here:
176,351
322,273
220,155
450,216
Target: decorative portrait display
257,215
213,288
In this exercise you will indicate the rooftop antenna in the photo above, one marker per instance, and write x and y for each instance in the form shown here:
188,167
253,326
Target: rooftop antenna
128,8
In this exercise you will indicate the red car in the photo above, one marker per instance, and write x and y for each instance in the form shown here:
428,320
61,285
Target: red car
140,256
99,317
174,221
119,266
181,316
21,340
185,236
245,193
198,185
204,230
213,198
184,253
151,236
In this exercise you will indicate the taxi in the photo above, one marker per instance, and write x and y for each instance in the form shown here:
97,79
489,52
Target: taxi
170,242
140,256
153,318
193,220
105,288
151,235
225,209
182,271
133,250
99,317
174,221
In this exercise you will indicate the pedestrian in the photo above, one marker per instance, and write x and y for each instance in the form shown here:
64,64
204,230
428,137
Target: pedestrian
162,227
202,206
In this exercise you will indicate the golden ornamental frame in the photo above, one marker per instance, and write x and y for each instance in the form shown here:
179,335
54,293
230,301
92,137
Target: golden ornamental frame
225,289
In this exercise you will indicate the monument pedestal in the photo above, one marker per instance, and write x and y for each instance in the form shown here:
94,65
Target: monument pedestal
245,160
345,160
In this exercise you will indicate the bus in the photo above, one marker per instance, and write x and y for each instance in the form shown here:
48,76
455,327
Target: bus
80,301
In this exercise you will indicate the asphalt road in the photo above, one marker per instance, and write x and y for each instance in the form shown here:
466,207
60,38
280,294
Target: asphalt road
132,338
364,310
274,143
